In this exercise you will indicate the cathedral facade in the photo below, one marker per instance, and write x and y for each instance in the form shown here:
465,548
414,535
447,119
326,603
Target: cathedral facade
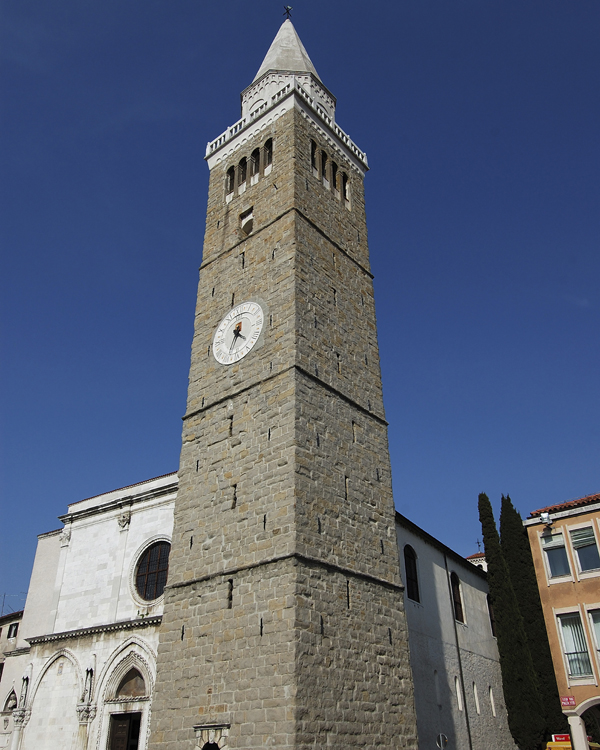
282,623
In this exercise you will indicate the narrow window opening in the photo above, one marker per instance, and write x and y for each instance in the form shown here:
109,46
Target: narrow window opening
333,259
230,594
208,351
202,401
346,485
492,616
353,431
347,594
218,223
313,157
369,404
315,321
233,299
322,626
269,434
182,631
191,541
339,364
213,292
476,698
456,598
268,154
265,522
234,498
411,574
362,300
270,367
270,320
197,465
458,693
242,173
381,544
492,702
366,360
230,180
317,371
273,255
230,425
334,171
324,168
345,192
254,166
243,259
319,525
390,635
378,475
261,626
334,297
318,440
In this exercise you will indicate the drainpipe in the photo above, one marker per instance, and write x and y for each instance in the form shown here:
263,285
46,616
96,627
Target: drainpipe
460,668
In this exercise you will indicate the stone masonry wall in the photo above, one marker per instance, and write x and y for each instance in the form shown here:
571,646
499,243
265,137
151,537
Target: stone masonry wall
268,535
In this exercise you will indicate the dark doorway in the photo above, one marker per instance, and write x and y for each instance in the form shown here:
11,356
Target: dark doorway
124,731
211,746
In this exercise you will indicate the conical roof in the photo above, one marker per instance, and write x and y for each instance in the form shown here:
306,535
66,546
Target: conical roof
287,53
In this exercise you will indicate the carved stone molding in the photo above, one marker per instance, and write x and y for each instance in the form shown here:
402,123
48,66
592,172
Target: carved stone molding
86,713
65,536
216,734
21,716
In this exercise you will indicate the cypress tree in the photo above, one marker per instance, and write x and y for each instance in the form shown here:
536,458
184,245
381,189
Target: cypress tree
517,553
523,703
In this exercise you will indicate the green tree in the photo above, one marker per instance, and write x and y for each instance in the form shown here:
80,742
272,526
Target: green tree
521,695
517,553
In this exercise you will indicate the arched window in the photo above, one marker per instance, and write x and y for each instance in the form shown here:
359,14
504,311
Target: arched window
242,172
492,616
345,191
334,171
456,598
254,166
230,183
151,574
11,701
458,690
410,567
313,158
132,685
324,160
268,153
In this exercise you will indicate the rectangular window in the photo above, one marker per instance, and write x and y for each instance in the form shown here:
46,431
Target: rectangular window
556,554
575,646
584,543
12,630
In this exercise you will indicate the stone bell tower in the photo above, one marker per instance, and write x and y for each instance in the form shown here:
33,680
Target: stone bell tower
284,623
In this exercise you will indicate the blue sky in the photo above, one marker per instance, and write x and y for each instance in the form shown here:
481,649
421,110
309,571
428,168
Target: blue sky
480,120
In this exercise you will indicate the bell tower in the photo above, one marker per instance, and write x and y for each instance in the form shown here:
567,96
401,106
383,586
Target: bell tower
284,623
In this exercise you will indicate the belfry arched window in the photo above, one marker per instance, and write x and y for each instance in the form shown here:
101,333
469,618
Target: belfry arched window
268,155
230,180
152,569
410,568
242,171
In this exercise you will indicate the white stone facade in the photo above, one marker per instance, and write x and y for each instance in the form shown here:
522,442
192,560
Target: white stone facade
85,625
455,665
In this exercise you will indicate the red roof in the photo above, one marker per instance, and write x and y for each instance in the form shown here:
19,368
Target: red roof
476,555
582,501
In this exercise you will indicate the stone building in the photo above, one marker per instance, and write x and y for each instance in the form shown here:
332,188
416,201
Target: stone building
564,545
283,622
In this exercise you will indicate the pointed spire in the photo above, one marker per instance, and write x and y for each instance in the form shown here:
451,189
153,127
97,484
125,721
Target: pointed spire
287,53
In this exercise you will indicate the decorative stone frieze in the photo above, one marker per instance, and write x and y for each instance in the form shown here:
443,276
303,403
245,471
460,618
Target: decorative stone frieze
21,716
86,713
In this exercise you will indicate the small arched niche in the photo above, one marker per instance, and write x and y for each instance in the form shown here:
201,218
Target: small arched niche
132,685
11,702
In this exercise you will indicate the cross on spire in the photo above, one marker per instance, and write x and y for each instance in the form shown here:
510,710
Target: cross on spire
288,11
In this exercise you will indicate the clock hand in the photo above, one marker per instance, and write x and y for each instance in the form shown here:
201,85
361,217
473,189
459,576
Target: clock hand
235,338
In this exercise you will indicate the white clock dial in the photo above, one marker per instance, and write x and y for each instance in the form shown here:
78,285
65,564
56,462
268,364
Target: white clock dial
237,333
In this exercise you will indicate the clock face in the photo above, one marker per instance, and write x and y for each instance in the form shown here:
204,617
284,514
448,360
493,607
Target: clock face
237,333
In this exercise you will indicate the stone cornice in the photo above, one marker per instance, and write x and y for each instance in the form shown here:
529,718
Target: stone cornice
294,556
17,651
142,622
122,502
